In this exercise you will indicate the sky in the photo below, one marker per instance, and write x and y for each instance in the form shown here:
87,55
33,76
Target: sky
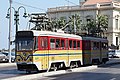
31,6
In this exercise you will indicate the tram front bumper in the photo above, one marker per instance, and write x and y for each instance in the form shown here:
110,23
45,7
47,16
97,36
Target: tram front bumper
26,67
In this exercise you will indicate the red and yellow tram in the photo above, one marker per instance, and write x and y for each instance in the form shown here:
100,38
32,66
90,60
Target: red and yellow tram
44,50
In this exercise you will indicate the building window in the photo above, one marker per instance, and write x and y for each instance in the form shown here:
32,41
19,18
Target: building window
88,20
116,41
116,23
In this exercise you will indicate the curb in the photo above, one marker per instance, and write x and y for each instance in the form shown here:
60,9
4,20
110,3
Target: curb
7,64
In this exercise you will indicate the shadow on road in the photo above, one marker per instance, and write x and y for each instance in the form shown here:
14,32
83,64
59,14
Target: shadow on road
84,76
114,63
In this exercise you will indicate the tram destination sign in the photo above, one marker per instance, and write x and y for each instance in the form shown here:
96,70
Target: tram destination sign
24,34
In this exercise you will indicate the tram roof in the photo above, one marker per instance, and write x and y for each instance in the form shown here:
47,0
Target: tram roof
95,39
55,34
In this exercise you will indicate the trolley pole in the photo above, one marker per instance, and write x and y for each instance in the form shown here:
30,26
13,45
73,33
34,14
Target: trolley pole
10,22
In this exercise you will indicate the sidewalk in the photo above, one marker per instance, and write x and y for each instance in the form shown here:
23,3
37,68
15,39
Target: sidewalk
7,64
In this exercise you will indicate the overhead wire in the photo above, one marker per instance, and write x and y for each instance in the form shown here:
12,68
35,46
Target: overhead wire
71,2
37,7
29,6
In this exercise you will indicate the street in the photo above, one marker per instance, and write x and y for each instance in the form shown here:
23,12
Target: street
109,71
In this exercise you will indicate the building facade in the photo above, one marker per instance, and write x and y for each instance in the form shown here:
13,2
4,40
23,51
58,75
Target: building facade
89,10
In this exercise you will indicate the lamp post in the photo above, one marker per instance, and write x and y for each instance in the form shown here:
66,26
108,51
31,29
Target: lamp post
16,15
16,19
10,21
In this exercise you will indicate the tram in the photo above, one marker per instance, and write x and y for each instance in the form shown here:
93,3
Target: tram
45,50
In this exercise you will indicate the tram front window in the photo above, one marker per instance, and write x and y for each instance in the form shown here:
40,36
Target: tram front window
24,45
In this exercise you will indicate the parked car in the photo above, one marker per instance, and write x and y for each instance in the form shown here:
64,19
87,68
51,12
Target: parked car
3,57
117,53
113,54
12,56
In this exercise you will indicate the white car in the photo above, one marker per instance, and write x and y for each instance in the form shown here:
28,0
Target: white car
117,53
12,56
3,58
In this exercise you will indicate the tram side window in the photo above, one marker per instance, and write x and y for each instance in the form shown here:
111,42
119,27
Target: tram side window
96,45
104,45
57,43
52,43
74,44
70,44
87,45
63,44
44,43
66,43
78,45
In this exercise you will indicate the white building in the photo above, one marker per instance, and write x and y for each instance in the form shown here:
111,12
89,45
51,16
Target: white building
89,10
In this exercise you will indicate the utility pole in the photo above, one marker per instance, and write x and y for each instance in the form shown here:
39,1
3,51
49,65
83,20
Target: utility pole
74,25
10,22
40,20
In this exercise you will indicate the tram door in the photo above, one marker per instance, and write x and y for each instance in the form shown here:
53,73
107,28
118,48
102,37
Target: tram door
44,52
67,50
101,52
86,52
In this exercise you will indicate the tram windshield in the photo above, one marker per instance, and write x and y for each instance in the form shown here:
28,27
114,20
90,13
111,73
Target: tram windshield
25,44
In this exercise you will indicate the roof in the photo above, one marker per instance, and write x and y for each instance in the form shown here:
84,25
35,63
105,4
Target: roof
56,34
89,2
98,39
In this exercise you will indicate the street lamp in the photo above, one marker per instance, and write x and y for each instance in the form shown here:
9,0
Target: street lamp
16,15
16,18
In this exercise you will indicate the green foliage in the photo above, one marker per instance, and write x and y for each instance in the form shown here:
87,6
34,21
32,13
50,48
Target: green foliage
90,27
102,22
96,26
74,20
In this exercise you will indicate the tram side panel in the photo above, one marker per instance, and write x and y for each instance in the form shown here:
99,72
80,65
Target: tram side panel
95,52
104,52
40,55
75,52
86,52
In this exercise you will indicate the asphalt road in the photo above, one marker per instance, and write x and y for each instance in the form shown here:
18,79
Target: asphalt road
101,73
10,71
109,71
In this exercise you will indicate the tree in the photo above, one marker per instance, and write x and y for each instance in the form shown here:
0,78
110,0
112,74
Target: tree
61,22
75,23
90,27
102,24
58,23
97,26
